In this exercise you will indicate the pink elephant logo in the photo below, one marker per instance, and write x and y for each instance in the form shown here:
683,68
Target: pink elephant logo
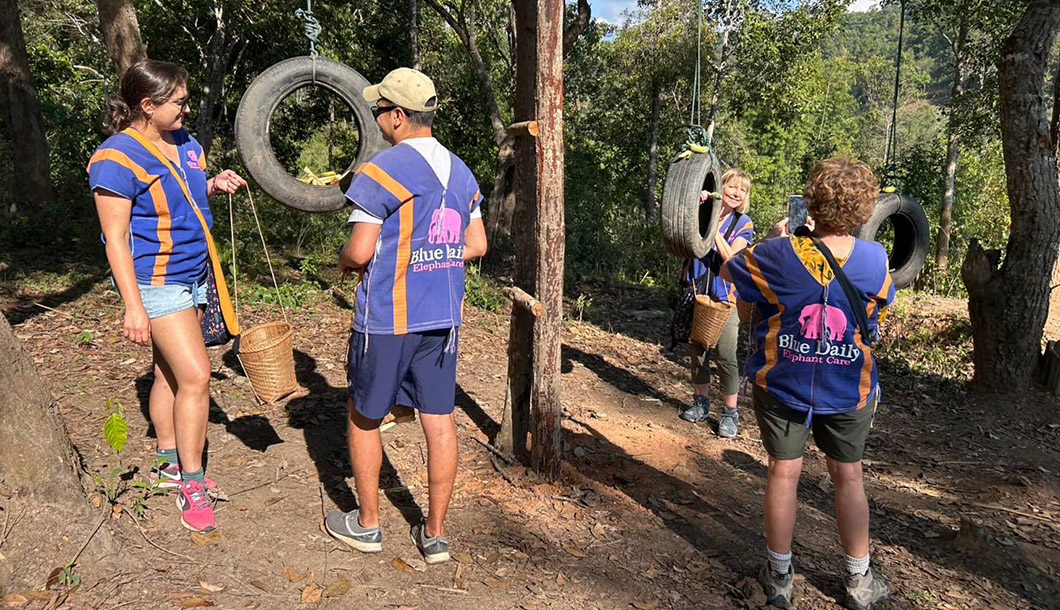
815,318
193,160
445,227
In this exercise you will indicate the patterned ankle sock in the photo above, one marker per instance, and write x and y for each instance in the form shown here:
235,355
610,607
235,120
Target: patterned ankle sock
169,456
199,476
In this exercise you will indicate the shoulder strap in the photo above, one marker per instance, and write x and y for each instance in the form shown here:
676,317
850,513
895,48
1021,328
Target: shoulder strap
855,299
227,310
732,227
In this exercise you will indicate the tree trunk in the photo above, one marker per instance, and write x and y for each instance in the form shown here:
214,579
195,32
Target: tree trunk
414,32
719,70
18,97
223,47
953,151
949,195
534,381
42,462
515,424
1008,305
653,150
121,33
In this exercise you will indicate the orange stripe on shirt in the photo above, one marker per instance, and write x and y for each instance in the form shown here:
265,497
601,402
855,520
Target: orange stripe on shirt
865,386
161,204
866,370
880,296
473,198
376,173
774,322
109,154
404,255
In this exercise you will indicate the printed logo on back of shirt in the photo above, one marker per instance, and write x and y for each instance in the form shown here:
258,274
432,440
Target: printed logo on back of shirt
193,160
822,329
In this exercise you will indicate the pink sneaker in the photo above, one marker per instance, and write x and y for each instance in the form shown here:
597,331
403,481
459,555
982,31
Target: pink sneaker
196,510
167,476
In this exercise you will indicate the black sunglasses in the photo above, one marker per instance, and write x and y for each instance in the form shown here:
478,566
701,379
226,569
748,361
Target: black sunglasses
378,111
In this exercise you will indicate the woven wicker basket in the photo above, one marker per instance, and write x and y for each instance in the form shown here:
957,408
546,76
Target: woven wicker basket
708,320
745,310
267,356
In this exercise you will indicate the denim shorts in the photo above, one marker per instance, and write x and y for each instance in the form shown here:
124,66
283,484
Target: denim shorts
169,299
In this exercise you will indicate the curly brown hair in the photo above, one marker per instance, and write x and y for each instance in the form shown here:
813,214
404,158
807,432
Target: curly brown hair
841,195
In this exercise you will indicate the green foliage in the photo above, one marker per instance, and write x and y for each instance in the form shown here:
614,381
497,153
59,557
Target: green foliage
804,80
68,577
86,337
291,295
480,292
116,429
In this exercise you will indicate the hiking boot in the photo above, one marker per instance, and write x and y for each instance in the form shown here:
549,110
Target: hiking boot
196,511
434,550
729,425
866,590
346,527
698,411
168,476
777,587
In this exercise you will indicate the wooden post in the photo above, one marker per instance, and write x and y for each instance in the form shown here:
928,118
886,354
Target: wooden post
533,405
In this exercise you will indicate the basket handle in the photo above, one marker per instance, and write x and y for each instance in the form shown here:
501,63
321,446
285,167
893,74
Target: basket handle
265,248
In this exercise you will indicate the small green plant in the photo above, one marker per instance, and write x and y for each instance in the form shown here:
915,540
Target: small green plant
293,295
582,305
116,433
479,292
86,337
68,577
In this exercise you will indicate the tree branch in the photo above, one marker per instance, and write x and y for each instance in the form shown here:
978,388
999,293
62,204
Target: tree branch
574,30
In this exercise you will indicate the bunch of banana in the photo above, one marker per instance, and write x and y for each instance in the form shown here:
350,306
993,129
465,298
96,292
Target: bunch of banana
325,179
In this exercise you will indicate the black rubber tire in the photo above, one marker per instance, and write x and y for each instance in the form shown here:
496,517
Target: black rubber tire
912,235
262,98
688,228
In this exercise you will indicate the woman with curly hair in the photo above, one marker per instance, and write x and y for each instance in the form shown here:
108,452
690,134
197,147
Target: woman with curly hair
814,369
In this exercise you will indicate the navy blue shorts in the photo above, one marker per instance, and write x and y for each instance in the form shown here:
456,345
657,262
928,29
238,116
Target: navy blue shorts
413,370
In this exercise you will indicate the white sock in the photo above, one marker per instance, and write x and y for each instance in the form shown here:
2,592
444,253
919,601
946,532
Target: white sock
779,562
857,566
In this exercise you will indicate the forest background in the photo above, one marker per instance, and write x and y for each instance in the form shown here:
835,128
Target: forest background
802,81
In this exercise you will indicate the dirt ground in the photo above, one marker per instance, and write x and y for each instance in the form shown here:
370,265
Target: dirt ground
651,512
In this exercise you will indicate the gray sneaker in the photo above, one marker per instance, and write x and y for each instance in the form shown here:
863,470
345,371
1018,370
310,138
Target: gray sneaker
346,527
434,550
698,411
729,426
866,590
777,587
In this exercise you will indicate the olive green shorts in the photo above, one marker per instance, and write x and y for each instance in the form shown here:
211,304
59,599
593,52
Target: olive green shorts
784,432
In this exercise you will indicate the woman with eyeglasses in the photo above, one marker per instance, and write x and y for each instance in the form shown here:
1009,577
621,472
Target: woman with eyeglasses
152,192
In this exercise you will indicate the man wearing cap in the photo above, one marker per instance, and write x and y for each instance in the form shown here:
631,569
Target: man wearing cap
416,220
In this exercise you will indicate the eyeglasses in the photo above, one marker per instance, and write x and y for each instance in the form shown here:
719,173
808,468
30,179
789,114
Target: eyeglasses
378,111
182,104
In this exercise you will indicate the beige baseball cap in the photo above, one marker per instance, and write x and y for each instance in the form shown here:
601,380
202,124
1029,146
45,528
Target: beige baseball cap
407,88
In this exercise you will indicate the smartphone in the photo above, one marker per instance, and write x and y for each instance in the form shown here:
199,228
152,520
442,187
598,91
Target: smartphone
797,213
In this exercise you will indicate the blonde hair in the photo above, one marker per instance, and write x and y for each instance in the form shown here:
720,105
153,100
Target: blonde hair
738,174
841,195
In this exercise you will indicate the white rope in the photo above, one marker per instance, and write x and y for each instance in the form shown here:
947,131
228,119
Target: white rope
272,272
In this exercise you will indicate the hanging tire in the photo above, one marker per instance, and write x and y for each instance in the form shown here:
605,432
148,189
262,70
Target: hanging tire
908,246
688,228
253,118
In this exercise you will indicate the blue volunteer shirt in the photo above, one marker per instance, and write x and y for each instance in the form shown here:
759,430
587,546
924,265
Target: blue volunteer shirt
415,282
811,355
719,288
167,239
